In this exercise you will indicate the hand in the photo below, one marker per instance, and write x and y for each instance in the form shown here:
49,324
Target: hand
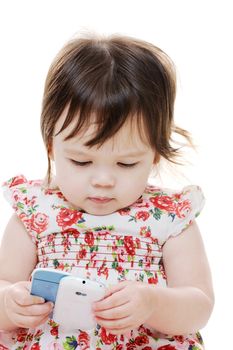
22,308
126,306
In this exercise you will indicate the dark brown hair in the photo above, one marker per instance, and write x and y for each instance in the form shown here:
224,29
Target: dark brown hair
116,78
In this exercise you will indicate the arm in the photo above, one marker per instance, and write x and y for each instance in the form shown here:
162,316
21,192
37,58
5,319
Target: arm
17,260
187,303
183,307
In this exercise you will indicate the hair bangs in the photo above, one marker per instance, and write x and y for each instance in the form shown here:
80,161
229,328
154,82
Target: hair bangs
106,103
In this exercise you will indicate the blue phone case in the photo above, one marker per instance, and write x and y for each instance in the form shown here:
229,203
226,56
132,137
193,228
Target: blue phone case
45,283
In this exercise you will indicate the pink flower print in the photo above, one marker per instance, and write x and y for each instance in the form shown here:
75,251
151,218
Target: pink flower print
26,220
39,222
141,203
44,261
142,215
183,208
164,203
68,217
17,195
17,180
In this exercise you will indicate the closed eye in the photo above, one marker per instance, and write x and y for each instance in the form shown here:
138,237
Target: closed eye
76,162
127,165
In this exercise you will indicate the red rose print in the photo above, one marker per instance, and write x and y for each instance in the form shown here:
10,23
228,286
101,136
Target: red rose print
143,215
167,347
39,222
124,211
54,331
147,348
119,269
179,338
107,339
129,245
89,239
72,231
17,180
130,346
145,231
153,280
68,217
183,208
103,270
164,203
119,347
82,254
21,336
141,339
35,346
83,340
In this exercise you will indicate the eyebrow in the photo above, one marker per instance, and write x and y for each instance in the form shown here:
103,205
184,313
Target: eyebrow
129,154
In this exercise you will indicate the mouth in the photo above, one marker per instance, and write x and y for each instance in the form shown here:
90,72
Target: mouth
100,200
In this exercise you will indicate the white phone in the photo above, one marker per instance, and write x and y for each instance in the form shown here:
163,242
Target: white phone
74,300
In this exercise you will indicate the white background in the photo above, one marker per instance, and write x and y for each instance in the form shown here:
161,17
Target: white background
197,35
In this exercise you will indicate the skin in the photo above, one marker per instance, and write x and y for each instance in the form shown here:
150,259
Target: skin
184,307
119,169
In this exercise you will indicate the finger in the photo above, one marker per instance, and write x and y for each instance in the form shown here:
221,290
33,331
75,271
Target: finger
117,299
120,325
114,313
25,299
116,288
30,321
34,310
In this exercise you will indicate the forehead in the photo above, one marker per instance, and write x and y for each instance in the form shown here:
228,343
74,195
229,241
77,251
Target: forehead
128,137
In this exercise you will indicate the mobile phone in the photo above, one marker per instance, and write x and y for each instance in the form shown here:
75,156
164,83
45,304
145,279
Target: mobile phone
73,307
45,282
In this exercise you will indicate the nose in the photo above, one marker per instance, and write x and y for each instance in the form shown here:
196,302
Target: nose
103,178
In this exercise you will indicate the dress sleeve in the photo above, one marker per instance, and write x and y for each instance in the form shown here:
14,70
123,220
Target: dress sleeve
17,193
187,205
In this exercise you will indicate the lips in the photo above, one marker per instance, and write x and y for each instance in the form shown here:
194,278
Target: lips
100,199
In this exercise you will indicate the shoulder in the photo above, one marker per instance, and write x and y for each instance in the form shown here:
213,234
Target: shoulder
176,209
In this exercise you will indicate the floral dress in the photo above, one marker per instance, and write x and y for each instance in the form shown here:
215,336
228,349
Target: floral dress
125,245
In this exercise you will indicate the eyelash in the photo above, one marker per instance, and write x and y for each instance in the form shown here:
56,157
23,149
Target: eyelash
86,163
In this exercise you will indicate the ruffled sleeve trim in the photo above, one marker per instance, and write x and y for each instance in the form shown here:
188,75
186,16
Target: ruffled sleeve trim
21,194
187,205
